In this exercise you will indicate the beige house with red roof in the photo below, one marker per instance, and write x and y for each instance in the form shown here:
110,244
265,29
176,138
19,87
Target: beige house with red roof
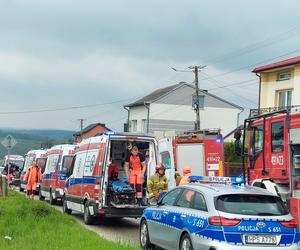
279,83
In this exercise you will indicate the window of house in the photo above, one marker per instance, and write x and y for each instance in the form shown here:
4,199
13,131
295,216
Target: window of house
133,125
282,76
284,98
277,137
144,125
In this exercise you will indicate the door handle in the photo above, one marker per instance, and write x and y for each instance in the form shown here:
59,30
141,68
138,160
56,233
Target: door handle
165,213
183,216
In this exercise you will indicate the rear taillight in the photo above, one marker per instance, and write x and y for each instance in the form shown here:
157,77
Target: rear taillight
290,224
221,221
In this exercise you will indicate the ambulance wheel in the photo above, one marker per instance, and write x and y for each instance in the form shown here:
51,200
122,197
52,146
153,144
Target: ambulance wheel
41,197
144,236
186,243
52,201
87,217
21,189
65,208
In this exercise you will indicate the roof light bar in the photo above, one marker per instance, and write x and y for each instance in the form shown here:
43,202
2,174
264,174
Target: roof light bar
217,179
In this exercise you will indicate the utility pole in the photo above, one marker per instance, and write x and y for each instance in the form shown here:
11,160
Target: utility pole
196,69
196,102
81,126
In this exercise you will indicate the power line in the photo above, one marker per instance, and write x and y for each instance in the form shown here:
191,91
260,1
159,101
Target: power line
230,91
236,83
258,45
252,65
64,108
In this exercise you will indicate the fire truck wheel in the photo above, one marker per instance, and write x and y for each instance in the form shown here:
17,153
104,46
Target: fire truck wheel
66,210
41,197
87,217
52,201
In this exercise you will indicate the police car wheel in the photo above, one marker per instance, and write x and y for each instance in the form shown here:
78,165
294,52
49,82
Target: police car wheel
186,243
87,217
66,210
144,236
52,201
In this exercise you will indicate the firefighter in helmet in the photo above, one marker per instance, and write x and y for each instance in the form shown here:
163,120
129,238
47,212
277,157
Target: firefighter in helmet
135,168
187,172
157,184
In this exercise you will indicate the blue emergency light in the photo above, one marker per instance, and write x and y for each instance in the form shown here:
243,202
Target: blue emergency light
111,133
217,179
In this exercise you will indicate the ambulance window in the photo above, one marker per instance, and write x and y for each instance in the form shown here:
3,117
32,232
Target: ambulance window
257,139
166,159
41,162
277,137
67,162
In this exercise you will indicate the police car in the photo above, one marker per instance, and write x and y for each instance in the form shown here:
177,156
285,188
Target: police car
223,215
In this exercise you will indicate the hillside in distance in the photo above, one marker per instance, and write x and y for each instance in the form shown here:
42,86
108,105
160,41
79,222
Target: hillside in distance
28,139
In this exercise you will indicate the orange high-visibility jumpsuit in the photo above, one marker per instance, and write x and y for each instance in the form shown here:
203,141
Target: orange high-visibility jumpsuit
33,176
135,176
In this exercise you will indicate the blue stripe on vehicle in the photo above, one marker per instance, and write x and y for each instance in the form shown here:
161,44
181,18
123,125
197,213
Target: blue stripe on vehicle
76,181
233,235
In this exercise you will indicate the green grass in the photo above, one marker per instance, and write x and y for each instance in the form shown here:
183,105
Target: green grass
36,225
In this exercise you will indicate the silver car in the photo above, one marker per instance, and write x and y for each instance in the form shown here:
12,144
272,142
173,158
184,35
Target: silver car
219,217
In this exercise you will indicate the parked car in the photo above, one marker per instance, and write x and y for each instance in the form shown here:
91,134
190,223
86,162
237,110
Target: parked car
219,216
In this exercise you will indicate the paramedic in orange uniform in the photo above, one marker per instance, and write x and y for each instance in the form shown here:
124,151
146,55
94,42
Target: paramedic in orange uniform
32,176
135,168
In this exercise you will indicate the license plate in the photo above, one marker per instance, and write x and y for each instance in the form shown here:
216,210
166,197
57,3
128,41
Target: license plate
261,239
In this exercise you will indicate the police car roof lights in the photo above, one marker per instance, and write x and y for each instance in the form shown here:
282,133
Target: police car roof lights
216,179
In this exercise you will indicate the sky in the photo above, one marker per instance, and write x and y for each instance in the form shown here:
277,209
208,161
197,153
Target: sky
86,59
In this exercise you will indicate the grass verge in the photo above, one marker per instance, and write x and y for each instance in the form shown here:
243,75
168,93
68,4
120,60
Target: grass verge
35,225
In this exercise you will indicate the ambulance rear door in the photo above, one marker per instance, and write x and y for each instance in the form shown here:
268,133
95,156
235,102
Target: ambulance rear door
167,158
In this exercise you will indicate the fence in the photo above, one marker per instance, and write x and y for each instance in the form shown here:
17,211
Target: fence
3,186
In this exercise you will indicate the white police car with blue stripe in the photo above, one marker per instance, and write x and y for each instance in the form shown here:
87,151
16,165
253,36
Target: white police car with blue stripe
219,213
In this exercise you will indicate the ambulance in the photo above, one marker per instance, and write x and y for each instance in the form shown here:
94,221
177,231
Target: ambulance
59,159
40,156
89,189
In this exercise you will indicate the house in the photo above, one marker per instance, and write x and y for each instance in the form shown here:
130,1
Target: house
279,84
89,131
168,111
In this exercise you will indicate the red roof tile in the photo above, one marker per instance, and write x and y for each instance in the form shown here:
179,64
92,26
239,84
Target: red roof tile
284,63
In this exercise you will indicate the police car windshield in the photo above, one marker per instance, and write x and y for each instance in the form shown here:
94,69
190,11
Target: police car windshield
261,205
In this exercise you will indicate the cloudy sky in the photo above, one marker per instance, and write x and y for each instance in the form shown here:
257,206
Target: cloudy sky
103,54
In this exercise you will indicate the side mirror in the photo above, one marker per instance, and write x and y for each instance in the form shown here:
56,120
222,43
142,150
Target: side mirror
237,143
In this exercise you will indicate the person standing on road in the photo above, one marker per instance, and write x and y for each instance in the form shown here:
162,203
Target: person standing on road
135,168
33,176
187,172
157,184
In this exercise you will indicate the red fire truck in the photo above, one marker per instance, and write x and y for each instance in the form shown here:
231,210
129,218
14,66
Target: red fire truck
201,150
273,141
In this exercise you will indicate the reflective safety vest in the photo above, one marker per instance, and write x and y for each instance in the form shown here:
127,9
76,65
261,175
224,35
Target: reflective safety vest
157,184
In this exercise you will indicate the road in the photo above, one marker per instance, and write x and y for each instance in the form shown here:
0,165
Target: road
118,230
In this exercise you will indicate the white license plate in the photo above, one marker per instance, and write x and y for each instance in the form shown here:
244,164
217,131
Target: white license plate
261,239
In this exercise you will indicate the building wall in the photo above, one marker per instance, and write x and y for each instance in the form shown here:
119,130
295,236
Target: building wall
170,118
270,86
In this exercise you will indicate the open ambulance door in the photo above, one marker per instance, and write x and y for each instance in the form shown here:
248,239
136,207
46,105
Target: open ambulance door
166,156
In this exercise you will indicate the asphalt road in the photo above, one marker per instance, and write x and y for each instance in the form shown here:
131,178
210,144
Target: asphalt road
118,230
